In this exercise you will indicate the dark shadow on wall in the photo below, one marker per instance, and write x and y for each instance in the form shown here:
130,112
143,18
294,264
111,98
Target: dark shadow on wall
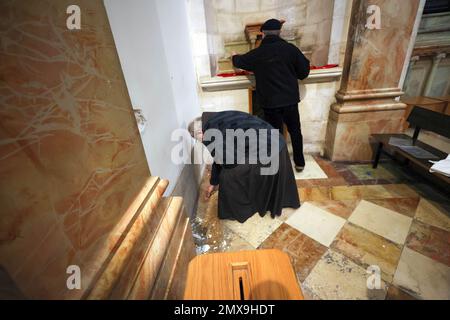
8,288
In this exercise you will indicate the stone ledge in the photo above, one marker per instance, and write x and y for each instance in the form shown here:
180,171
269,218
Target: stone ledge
244,82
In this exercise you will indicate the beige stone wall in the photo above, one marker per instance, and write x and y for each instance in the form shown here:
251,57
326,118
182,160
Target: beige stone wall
308,23
217,28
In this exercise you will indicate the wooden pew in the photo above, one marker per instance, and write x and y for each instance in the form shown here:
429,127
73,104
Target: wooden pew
419,118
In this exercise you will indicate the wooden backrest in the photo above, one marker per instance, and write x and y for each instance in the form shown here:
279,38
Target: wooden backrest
430,120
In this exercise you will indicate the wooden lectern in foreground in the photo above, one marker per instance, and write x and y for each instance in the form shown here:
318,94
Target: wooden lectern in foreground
245,275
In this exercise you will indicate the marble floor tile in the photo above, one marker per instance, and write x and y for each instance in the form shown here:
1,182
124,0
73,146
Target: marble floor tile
366,172
286,213
384,191
359,192
316,223
384,222
366,248
341,208
207,229
422,277
312,183
405,206
430,192
303,251
401,173
430,241
431,213
236,243
395,293
349,177
314,194
400,191
312,170
308,294
335,277
255,230
327,167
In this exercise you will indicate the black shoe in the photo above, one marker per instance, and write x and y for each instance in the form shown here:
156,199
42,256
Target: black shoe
299,168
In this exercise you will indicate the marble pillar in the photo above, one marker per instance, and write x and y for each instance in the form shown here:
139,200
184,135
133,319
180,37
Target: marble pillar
367,101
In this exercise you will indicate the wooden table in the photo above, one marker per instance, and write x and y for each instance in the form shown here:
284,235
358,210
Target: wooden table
244,275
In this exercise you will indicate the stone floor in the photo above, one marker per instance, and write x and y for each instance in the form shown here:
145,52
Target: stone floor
352,217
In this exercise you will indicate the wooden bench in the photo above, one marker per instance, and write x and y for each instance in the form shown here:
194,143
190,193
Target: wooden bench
419,118
429,103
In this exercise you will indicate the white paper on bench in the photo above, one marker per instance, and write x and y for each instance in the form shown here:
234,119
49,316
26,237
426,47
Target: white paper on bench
442,166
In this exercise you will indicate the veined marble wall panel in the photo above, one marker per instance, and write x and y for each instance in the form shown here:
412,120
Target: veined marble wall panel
370,67
71,159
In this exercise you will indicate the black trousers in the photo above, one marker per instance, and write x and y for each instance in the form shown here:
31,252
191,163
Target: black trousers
288,115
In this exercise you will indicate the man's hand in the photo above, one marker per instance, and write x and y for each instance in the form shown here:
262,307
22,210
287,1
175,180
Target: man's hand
233,53
210,189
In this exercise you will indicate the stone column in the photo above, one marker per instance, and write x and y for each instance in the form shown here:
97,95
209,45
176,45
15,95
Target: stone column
367,101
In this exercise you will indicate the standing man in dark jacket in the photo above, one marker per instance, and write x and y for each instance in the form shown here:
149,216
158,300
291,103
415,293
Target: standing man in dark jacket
277,66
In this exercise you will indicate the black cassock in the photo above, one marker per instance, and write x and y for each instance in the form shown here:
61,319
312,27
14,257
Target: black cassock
243,189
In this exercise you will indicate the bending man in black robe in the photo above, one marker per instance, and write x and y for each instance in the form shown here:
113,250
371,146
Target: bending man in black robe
259,180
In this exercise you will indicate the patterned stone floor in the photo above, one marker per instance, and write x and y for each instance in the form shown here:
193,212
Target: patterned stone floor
352,217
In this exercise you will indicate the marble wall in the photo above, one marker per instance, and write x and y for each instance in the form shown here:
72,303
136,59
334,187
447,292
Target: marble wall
369,66
72,164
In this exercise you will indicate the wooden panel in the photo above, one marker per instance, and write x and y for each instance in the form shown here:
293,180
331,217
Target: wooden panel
173,274
445,99
139,252
267,275
423,102
436,122
114,268
156,251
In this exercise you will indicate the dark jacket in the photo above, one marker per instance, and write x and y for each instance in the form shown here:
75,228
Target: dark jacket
235,120
277,66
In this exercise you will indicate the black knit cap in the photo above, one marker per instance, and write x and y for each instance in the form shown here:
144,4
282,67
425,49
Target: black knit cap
271,24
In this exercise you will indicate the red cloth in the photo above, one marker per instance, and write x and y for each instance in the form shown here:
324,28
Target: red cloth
327,66
232,74
245,73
